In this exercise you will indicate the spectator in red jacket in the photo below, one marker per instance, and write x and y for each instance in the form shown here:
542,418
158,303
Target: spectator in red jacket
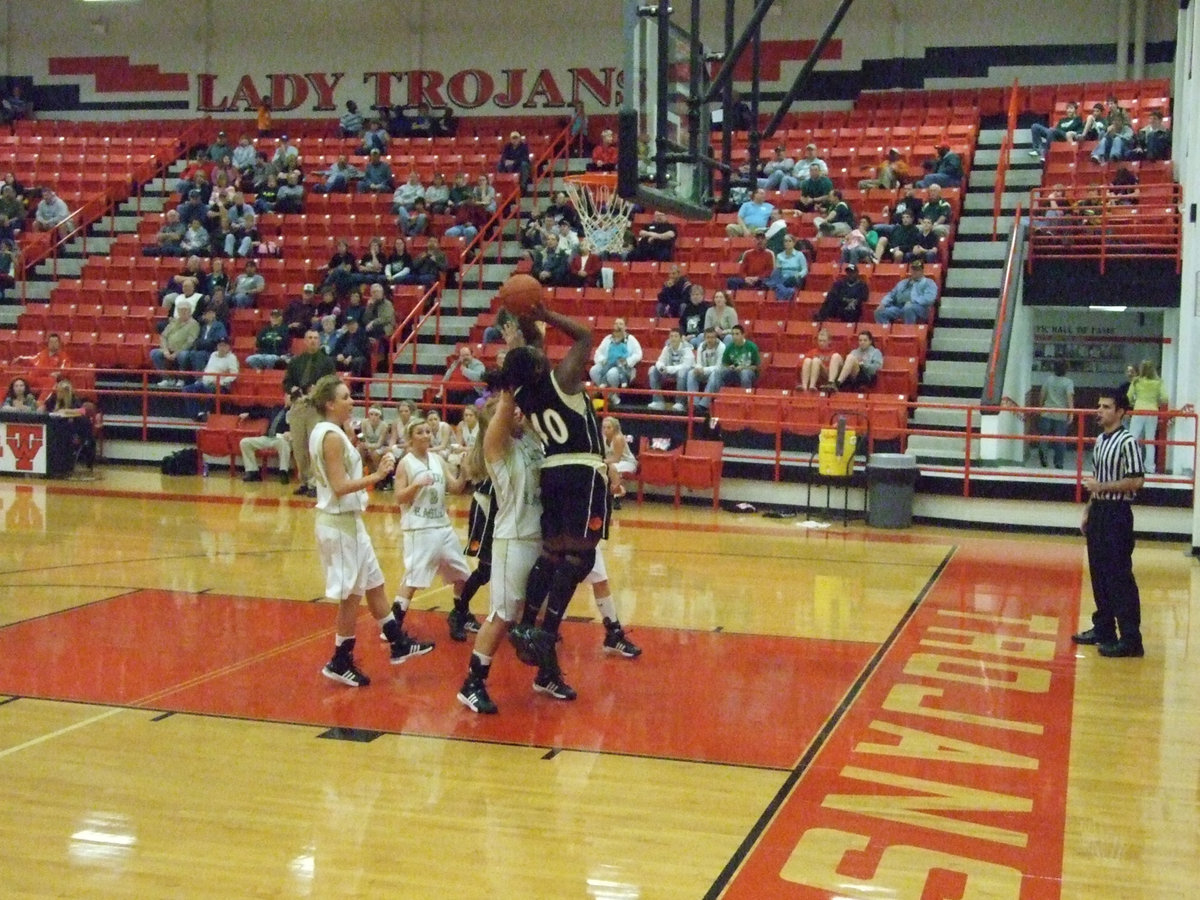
604,155
585,266
755,267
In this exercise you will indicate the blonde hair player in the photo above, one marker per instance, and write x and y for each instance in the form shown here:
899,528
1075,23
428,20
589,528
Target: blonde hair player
347,556
430,545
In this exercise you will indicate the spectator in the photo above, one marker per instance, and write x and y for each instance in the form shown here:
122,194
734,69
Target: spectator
212,332
380,317
721,316
267,196
272,344
754,214
303,372
290,196
351,123
12,205
855,248
262,117
860,368
301,312
616,360
414,222
338,177
372,263
777,172
237,224
846,298
692,315
776,231
437,195
169,240
818,363
247,286
340,269
1117,140
1093,126
19,398
816,190
373,438
189,296
63,402
810,158
465,367
398,268
838,219
927,245
275,439
580,145
755,266
656,239
709,368
15,106
552,264
741,361
49,363
458,196
604,154
483,198
911,300
514,158
791,269
220,371
51,213
194,206
220,148
431,263
196,241
351,354
673,294
286,155
676,360
900,241
946,169
891,172
937,209
1147,396
244,155
1154,141
561,210
909,203
585,266
193,268
1042,136
328,332
377,177
1057,396
178,337
375,138
567,238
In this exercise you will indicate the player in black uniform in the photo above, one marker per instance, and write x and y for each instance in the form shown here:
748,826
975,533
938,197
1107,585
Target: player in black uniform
574,479
480,523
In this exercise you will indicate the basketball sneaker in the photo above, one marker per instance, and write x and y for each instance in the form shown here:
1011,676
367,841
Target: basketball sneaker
474,696
550,681
346,672
520,636
408,647
615,641
461,624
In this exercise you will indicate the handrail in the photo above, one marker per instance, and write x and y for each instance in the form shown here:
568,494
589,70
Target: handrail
1003,327
406,329
1006,147
1106,221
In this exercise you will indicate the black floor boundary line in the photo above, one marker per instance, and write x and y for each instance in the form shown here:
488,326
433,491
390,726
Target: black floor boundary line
818,743
124,592
121,562
9,700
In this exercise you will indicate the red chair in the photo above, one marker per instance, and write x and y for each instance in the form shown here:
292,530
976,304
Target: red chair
699,468
656,467
219,437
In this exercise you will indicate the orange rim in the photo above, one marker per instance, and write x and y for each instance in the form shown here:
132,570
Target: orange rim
593,179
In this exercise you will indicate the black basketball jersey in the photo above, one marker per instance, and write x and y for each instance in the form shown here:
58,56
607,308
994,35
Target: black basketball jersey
566,423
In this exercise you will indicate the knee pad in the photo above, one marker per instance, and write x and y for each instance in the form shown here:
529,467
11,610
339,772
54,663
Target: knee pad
578,563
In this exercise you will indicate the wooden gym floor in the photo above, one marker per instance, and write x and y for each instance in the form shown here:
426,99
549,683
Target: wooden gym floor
818,713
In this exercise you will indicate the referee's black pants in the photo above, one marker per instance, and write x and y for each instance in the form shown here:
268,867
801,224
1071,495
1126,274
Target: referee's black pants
1110,560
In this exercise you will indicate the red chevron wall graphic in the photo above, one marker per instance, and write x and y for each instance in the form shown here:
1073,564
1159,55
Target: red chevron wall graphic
116,74
776,52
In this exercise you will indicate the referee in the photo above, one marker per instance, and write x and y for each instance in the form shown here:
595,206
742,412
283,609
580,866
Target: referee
1108,527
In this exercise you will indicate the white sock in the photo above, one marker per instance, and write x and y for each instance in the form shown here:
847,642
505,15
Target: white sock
608,609
340,639
402,602
486,660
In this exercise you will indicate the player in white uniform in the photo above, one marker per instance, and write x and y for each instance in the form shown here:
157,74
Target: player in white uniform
430,544
347,556
512,457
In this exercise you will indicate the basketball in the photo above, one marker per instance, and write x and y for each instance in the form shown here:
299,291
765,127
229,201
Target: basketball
520,294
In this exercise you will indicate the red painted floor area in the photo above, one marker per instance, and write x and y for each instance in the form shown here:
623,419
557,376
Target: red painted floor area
713,697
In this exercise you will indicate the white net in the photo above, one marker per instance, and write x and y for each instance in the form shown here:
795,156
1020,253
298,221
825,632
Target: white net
604,215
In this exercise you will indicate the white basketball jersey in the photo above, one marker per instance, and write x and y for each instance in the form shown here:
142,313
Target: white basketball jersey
428,507
327,501
517,481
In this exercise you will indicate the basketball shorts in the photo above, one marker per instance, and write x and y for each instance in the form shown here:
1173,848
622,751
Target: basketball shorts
599,570
432,551
512,558
575,503
480,526
347,556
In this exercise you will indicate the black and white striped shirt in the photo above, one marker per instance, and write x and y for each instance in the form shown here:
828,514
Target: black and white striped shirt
1116,456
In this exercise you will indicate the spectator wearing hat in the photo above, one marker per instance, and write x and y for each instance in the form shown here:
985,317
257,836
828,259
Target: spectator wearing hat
846,297
247,286
286,155
272,343
810,158
911,300
514,158
777,172
300,313
220,371
220,148
212,332
889,174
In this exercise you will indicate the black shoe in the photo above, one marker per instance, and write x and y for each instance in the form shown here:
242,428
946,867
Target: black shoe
284,478
552,683
344,671
474,696
252,476
1122,647
407,647
301,491
520,637
458,625
1086,637
615,641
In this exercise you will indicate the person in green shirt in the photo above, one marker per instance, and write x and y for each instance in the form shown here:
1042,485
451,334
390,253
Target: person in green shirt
1146,396
1042,135
815,190
741,360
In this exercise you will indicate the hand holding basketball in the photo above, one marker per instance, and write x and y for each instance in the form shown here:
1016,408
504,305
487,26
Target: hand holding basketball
521,295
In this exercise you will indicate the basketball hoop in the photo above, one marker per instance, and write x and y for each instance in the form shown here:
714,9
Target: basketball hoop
605,216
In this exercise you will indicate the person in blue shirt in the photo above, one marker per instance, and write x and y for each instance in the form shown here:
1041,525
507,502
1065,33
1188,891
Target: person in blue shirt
910,300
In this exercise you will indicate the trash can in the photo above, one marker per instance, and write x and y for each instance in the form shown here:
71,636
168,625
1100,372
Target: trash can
891,478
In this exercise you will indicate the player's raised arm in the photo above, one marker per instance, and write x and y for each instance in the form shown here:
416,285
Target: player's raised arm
572,371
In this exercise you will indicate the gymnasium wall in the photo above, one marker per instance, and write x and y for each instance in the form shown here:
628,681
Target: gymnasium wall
150,58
